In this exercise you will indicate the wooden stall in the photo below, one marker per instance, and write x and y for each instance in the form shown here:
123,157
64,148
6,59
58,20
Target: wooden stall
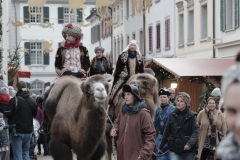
190,75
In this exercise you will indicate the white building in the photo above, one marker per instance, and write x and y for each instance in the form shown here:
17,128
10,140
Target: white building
119,39
40,64
101,34
160,29
227,31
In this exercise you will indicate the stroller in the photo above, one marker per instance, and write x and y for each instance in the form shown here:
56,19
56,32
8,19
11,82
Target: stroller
33,141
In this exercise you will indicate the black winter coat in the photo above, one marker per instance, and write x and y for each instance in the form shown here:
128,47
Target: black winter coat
182,129
23,114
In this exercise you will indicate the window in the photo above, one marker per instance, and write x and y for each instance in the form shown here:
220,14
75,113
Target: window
204,19
118,51
37,85
118,13
127,8
230,14
134,36
128,40
167,34
114,15
190,26
36,15
158,46
141,40
150,39
122,43
69,16
180,30
36,52
121,12
95,33
115,49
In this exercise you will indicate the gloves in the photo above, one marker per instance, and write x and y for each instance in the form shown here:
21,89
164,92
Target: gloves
78,74
67,73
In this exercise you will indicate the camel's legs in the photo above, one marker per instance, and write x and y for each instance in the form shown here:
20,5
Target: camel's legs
60,151
100,151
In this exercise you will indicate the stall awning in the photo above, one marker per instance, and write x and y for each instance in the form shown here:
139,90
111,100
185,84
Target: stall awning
22,73
182,67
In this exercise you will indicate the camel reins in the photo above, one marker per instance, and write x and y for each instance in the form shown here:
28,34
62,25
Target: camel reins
113,143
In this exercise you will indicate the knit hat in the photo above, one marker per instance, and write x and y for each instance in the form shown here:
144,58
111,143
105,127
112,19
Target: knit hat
216,92
4,98
72,30
231,75
185,97
3,88
3,84
99,48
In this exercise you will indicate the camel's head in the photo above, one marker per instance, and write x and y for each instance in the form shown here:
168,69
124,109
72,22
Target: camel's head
97,87
147,85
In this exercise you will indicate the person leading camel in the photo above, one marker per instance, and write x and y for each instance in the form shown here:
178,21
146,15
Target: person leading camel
134,128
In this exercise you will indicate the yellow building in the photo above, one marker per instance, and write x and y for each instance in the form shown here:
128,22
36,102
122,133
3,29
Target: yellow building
194,28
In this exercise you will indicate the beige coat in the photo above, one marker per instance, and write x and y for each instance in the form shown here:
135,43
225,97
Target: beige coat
203,121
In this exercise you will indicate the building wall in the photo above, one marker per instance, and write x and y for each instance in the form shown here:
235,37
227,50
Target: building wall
35,32
163,9
228,42
200,48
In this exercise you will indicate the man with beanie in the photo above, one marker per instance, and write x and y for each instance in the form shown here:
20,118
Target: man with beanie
100,64
217,94
20,111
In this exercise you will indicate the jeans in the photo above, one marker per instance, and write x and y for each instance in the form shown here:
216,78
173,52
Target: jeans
20,146
182,156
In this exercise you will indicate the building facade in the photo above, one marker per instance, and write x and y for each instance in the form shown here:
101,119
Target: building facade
41,36
227,30
194,28
160,37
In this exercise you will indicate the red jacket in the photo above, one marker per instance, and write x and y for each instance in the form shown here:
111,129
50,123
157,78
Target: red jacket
136,135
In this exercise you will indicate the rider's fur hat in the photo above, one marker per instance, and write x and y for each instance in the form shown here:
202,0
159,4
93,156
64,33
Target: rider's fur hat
72,30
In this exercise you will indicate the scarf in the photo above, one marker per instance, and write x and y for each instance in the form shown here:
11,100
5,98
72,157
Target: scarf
212,129
129,109
72,45
131,55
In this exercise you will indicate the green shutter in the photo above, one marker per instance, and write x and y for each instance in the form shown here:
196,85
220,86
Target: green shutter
223,15
46,58
237,13
27,55
60,15
47,84
80,16
45,14
59,44
26,14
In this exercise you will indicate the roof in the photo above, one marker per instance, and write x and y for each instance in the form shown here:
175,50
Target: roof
182,67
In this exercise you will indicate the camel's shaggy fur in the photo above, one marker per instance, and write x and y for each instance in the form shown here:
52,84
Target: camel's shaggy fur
77,118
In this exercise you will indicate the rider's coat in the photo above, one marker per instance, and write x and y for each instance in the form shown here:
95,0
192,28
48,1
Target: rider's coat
125,68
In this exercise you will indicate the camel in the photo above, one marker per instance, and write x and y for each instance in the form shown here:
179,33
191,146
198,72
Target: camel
77,118
148,88
100,4
35,3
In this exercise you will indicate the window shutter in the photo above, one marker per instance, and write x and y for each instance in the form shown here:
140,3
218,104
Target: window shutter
167,33
27,55
150,38
46,59
59,44
26,14
98,32
158,36
237,13
45,14
223,15
104,26
28,85
60,15
80,16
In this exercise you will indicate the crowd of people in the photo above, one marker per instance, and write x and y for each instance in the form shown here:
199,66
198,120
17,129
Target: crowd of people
175,133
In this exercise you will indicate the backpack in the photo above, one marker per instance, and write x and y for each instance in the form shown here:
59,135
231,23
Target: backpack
32,104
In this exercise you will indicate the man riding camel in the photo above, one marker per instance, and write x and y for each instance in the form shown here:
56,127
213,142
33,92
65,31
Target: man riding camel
100,64
71,58
128,64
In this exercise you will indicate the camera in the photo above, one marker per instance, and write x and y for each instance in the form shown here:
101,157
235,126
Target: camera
12,129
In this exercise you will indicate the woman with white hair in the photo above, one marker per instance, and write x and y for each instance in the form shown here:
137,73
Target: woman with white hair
229,148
